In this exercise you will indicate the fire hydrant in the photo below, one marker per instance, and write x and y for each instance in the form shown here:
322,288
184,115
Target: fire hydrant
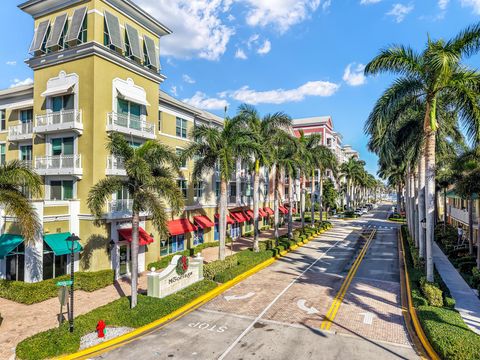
101,329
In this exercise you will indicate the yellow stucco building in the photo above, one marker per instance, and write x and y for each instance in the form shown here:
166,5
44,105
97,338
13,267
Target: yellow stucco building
97,70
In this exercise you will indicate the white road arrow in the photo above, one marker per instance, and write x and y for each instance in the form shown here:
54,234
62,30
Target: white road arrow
309,310
368,318
239,297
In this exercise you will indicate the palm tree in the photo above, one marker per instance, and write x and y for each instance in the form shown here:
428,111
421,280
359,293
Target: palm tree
263,132
425,77
150,180
351,170
325,160
17,180
219,148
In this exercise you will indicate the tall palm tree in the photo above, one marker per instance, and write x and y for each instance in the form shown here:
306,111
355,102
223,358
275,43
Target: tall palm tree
325,160
425,77
219,148
151,172
351,170
17,180
263,132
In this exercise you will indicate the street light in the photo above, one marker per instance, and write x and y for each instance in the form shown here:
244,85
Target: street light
71,246
424,223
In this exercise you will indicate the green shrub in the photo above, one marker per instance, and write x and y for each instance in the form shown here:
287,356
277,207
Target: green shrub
247,259
449,302
475,277
466,267
31,293
458,253
59,341
432,292
213,268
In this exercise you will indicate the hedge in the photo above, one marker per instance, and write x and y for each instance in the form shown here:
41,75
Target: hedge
444,327
213,268
59,341
31,293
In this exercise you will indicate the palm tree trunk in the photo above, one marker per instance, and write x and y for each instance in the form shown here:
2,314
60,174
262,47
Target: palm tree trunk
256,185
478,234
320,195
134,257
444,210
222,221
470,225
430,199
416,225
276,214
312,210
302,200
348,194
290,207
399,198
407,195
421,204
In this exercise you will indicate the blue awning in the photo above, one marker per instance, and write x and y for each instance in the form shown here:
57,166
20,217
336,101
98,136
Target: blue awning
59,244
8,242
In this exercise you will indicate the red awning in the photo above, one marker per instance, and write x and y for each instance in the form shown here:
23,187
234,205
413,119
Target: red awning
262,213
180,226
230,221
294,211
143,237
239,216
283,210
249,213
269,211
203,222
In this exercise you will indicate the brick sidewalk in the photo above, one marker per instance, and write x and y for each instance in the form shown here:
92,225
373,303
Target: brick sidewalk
21,321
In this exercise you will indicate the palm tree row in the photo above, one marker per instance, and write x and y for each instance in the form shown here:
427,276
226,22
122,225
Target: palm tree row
418,117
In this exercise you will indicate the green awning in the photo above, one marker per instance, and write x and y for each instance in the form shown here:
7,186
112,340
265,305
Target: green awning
8,242
58,243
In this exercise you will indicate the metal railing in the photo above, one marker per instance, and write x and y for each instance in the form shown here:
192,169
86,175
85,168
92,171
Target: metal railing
461,215
22,129
114,163
58,162
121,205
130,122
64,117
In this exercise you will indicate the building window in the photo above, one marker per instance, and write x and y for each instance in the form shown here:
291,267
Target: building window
128,49
3,159
182,184
82,36
199,188
62,103
26,153
3,120
26,116
62,146
15,263
106,36
183,162
217,189
61,189
130,110
146,59
172,245
53,265
160,128
233,189
181,129
45,39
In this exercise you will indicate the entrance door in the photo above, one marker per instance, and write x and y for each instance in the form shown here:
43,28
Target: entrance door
198,239
124,260
216,232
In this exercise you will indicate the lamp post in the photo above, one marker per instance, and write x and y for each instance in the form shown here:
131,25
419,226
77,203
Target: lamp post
71,246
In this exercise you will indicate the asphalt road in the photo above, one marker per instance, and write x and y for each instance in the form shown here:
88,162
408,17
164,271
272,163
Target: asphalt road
279,312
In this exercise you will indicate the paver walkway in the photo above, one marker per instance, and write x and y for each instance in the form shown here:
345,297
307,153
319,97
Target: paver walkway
21,321
466,301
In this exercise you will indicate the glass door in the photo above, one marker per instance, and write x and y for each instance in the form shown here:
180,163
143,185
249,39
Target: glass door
124,260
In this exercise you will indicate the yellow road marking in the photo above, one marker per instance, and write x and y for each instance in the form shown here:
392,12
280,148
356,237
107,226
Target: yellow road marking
332,312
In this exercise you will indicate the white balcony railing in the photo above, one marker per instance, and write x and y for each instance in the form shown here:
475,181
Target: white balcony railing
23,131
121,205
115,166
461,215
59,121
130,124
59,165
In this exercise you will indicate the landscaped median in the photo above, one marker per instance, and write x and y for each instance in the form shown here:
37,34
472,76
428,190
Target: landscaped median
443,326
219,276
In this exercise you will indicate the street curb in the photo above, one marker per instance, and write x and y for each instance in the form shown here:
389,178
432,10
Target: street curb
419,333
179,313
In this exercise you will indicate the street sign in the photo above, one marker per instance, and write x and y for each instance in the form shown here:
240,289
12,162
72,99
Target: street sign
63,295
64,283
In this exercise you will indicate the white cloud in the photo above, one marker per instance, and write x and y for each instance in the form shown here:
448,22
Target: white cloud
442,4
475,4
240,54
368,2
280,96
173,90
252,40
326,4
198,29
201,101
355,76
18,82
265,48
11,63
399,11
280,13
188,79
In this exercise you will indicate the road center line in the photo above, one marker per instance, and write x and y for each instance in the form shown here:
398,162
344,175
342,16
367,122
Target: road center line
249,327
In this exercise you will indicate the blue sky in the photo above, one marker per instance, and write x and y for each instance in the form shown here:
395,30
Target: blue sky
303,57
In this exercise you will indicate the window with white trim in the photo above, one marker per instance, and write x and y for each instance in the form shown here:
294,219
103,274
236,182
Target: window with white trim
199,188
3,120
183,186
3,154
181,128
61,189
183,162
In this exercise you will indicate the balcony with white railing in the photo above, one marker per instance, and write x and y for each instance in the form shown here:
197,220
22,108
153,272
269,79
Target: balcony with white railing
23,131
59,165
120,206
461,215
115,166
130,125
65,120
